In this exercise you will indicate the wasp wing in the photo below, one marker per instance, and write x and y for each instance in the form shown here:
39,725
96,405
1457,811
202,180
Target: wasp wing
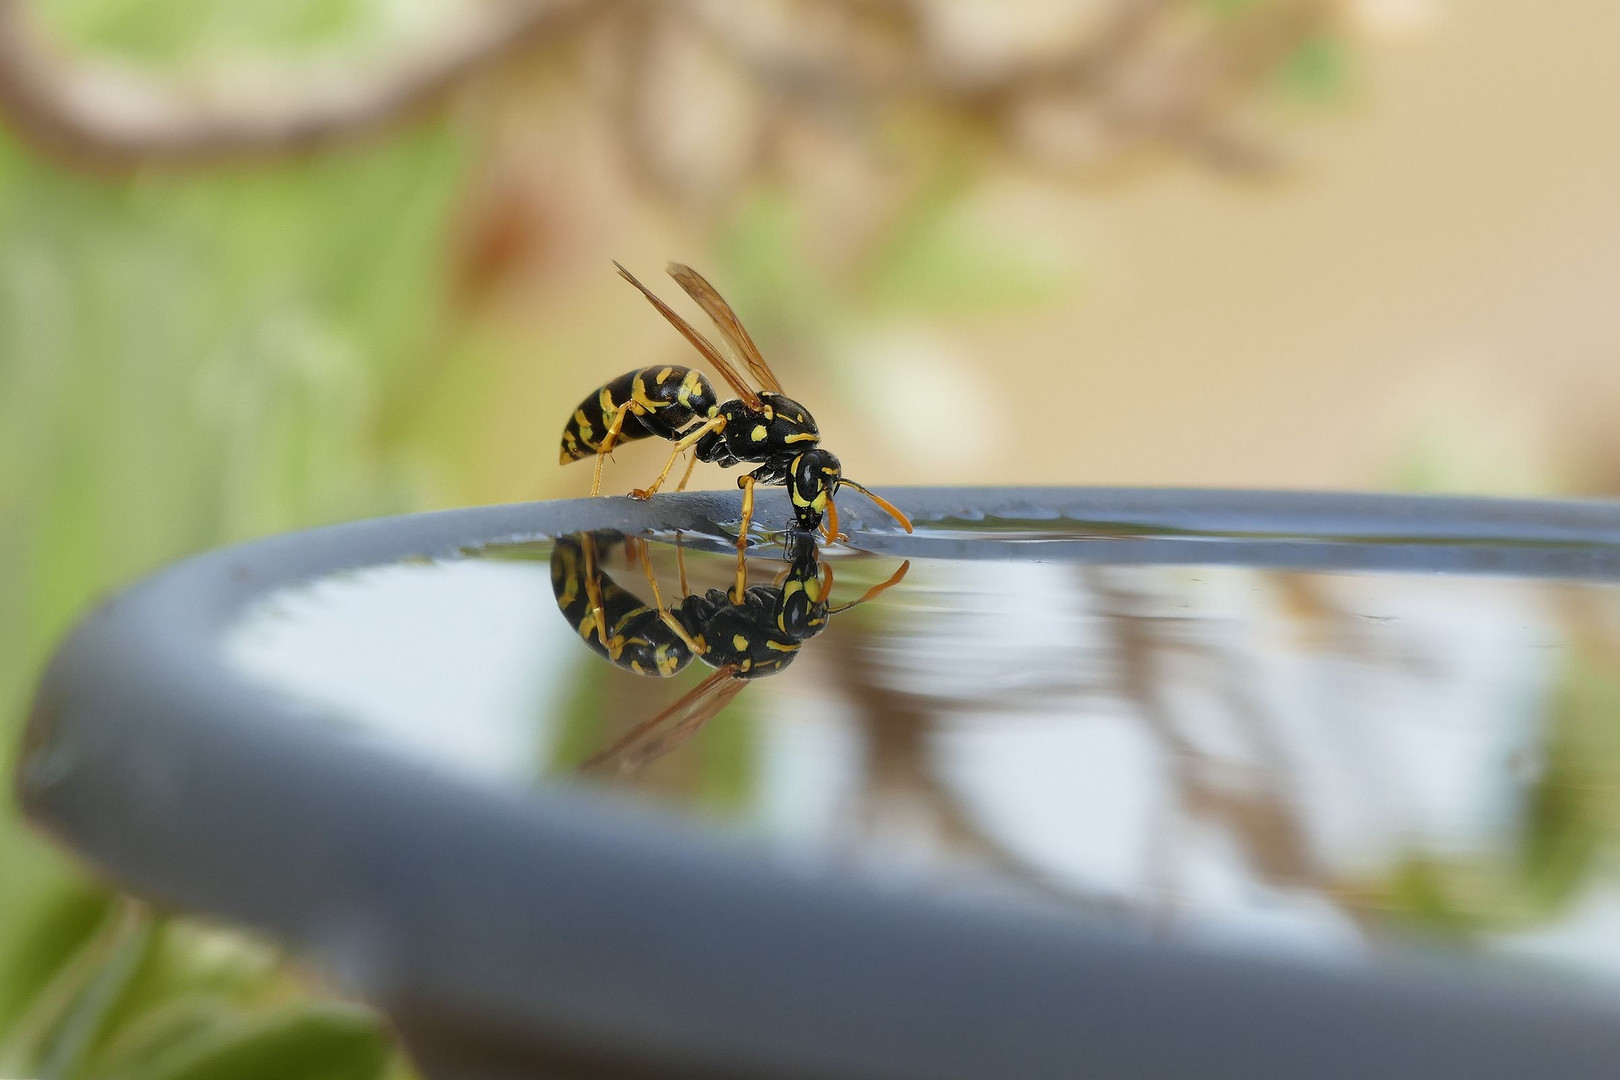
654,738
699,289
703,345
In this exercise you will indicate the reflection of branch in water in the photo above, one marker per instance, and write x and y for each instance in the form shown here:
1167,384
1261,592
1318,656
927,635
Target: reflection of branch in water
895,727
1318,618
1260,816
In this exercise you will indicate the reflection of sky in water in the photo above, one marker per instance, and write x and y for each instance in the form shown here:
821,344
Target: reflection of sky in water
449,659
1228,752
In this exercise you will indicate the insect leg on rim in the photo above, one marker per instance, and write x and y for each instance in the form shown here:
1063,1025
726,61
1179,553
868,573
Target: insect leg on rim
746,482
593,592
691,463
680,564
610,440
717,423
663,612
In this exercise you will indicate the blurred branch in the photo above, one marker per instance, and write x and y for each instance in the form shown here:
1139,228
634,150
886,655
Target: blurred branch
1145,73
1250,801
105,115
895,727
706,87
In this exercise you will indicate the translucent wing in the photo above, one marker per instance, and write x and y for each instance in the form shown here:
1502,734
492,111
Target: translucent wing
699,342
709,300
656,737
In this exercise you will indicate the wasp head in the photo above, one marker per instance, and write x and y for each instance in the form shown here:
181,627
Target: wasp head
813,480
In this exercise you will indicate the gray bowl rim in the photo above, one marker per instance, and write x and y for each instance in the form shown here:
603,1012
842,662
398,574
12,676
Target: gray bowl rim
582,929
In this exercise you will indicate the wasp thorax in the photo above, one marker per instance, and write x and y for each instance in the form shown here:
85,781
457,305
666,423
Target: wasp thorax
812,482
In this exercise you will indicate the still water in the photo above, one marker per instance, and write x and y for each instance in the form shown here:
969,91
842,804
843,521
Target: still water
1282,758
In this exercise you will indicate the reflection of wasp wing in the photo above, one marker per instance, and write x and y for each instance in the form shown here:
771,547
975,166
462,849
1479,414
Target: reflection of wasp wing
710,301
656,737
699,342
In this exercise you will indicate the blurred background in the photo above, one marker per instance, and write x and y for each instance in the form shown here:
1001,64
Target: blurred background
264,266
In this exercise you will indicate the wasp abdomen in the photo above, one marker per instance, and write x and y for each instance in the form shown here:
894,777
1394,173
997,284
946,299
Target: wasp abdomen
637,639
662,401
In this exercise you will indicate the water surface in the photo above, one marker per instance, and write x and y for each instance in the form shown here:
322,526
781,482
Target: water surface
1221,736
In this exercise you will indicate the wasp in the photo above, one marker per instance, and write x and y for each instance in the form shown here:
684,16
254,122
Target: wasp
763,426
743,635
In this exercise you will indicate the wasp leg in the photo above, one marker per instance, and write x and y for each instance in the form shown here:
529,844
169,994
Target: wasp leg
593,592
663,612
736,594
691,463
610,440
717,423
746,482
680,563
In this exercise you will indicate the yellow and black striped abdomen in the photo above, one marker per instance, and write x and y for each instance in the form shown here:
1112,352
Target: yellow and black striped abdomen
636,638
661,401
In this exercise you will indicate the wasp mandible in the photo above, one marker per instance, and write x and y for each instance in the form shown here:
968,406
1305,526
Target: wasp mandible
762,427
743,636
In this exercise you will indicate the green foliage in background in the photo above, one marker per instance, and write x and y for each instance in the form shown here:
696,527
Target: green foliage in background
186,361
151,997
1566,827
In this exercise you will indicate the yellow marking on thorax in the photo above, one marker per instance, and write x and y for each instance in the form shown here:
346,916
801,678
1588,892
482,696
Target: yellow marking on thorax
781,648
802,436
739,642
663,375
759,432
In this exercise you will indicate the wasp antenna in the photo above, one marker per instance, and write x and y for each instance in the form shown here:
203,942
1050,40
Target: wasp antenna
888,507
894,579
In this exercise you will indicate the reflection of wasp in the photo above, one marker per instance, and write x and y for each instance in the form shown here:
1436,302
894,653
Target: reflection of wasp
743,634
678,404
